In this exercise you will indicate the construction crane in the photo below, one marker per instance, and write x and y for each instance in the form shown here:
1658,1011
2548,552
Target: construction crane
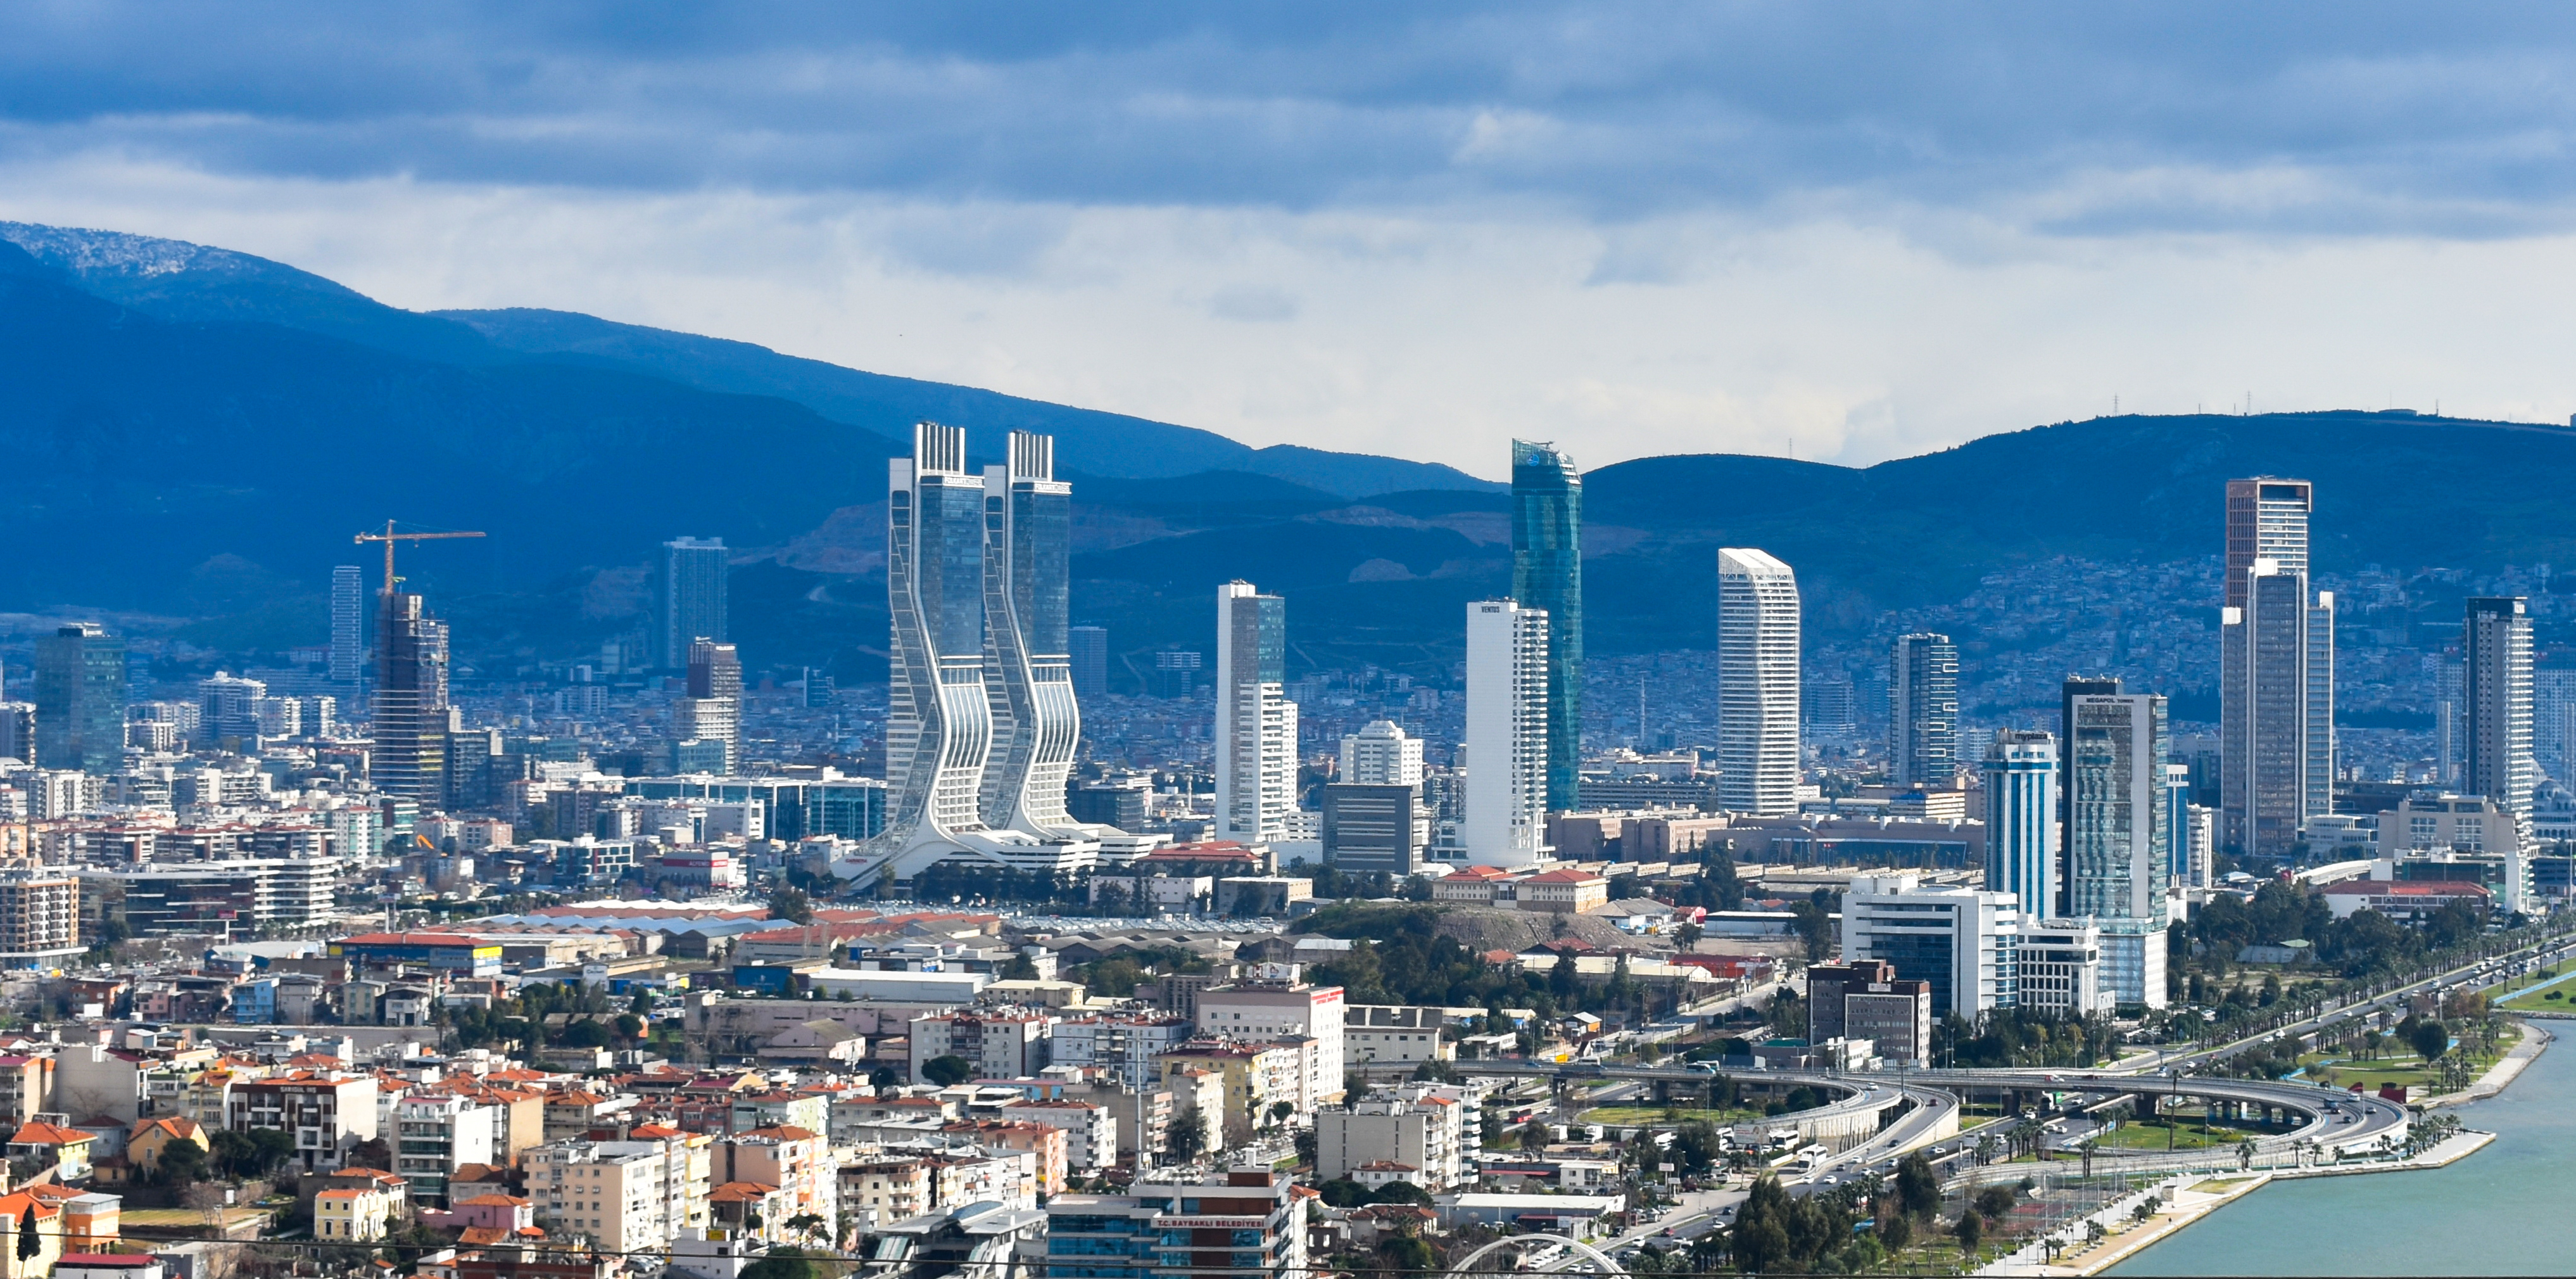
389,537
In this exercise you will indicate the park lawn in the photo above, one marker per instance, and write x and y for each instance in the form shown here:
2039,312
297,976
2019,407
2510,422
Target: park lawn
1641,1116
2539,999
2140,1135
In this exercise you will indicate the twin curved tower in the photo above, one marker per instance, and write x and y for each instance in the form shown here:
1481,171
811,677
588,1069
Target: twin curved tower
981,720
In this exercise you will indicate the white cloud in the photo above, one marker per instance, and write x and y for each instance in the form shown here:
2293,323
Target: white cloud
1440,333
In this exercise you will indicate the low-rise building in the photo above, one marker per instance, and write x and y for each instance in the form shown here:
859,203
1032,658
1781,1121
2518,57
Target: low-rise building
347,1215
1394,1033
1563,892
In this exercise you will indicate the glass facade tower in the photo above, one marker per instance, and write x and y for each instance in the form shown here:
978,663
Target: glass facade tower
1028,663
409,709
80,699
1547,574
693,597
1923,711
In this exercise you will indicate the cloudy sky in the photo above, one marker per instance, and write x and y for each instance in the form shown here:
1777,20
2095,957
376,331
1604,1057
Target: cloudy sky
1843,232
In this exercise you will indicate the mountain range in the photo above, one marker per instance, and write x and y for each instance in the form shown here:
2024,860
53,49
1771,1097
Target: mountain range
196,432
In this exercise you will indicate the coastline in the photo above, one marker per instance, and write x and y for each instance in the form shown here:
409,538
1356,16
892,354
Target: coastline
2186,1199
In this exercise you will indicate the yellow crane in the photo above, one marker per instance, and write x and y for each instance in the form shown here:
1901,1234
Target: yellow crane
389,537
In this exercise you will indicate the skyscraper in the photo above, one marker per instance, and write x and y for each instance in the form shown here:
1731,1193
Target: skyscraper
1090,648
1547,575
1507,744
1923,711
1757,683
348,625
80,699
410,711
938,717
2021,819
2495,645
712,710
693,597
2118,856
2276,673
1256,724
981,715
1028,664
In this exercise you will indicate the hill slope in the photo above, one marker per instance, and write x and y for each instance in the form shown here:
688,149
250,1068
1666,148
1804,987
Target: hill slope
197,432
177,282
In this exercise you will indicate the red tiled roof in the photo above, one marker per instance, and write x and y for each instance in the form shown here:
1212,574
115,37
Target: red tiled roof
36,1134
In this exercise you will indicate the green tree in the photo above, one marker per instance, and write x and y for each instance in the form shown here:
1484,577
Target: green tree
947,1070
29,1242
1407,1253
1972,1232
1187,1136
790,1263
1918,1188
792,905
2430,1039
182,1162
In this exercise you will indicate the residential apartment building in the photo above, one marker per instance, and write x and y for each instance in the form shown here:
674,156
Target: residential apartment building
1256,724
998,1045
633,1196
2496,692
434,1135
795,1160
1757,682
327,1114
1275,1003
1506,746
1253,1078
1090,1130
1243,1222
1409,1126
1123,1043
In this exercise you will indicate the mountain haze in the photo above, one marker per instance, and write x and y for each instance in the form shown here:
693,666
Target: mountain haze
197,432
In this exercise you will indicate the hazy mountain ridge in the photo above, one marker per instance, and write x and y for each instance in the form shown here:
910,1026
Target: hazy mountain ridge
195,431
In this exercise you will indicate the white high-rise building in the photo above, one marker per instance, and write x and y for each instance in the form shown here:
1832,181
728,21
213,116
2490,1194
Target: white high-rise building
1256,724
974,719
348,624
1757,683
1382,754
2021,819
1506,743
2496,692
1028,545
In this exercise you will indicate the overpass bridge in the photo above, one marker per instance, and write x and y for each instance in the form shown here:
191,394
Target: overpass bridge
1863,1120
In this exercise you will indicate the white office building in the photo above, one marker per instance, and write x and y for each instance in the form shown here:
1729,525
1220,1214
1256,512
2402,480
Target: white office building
1965,942
1757,683
2061,968
1382,754
1256,724
1506,744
